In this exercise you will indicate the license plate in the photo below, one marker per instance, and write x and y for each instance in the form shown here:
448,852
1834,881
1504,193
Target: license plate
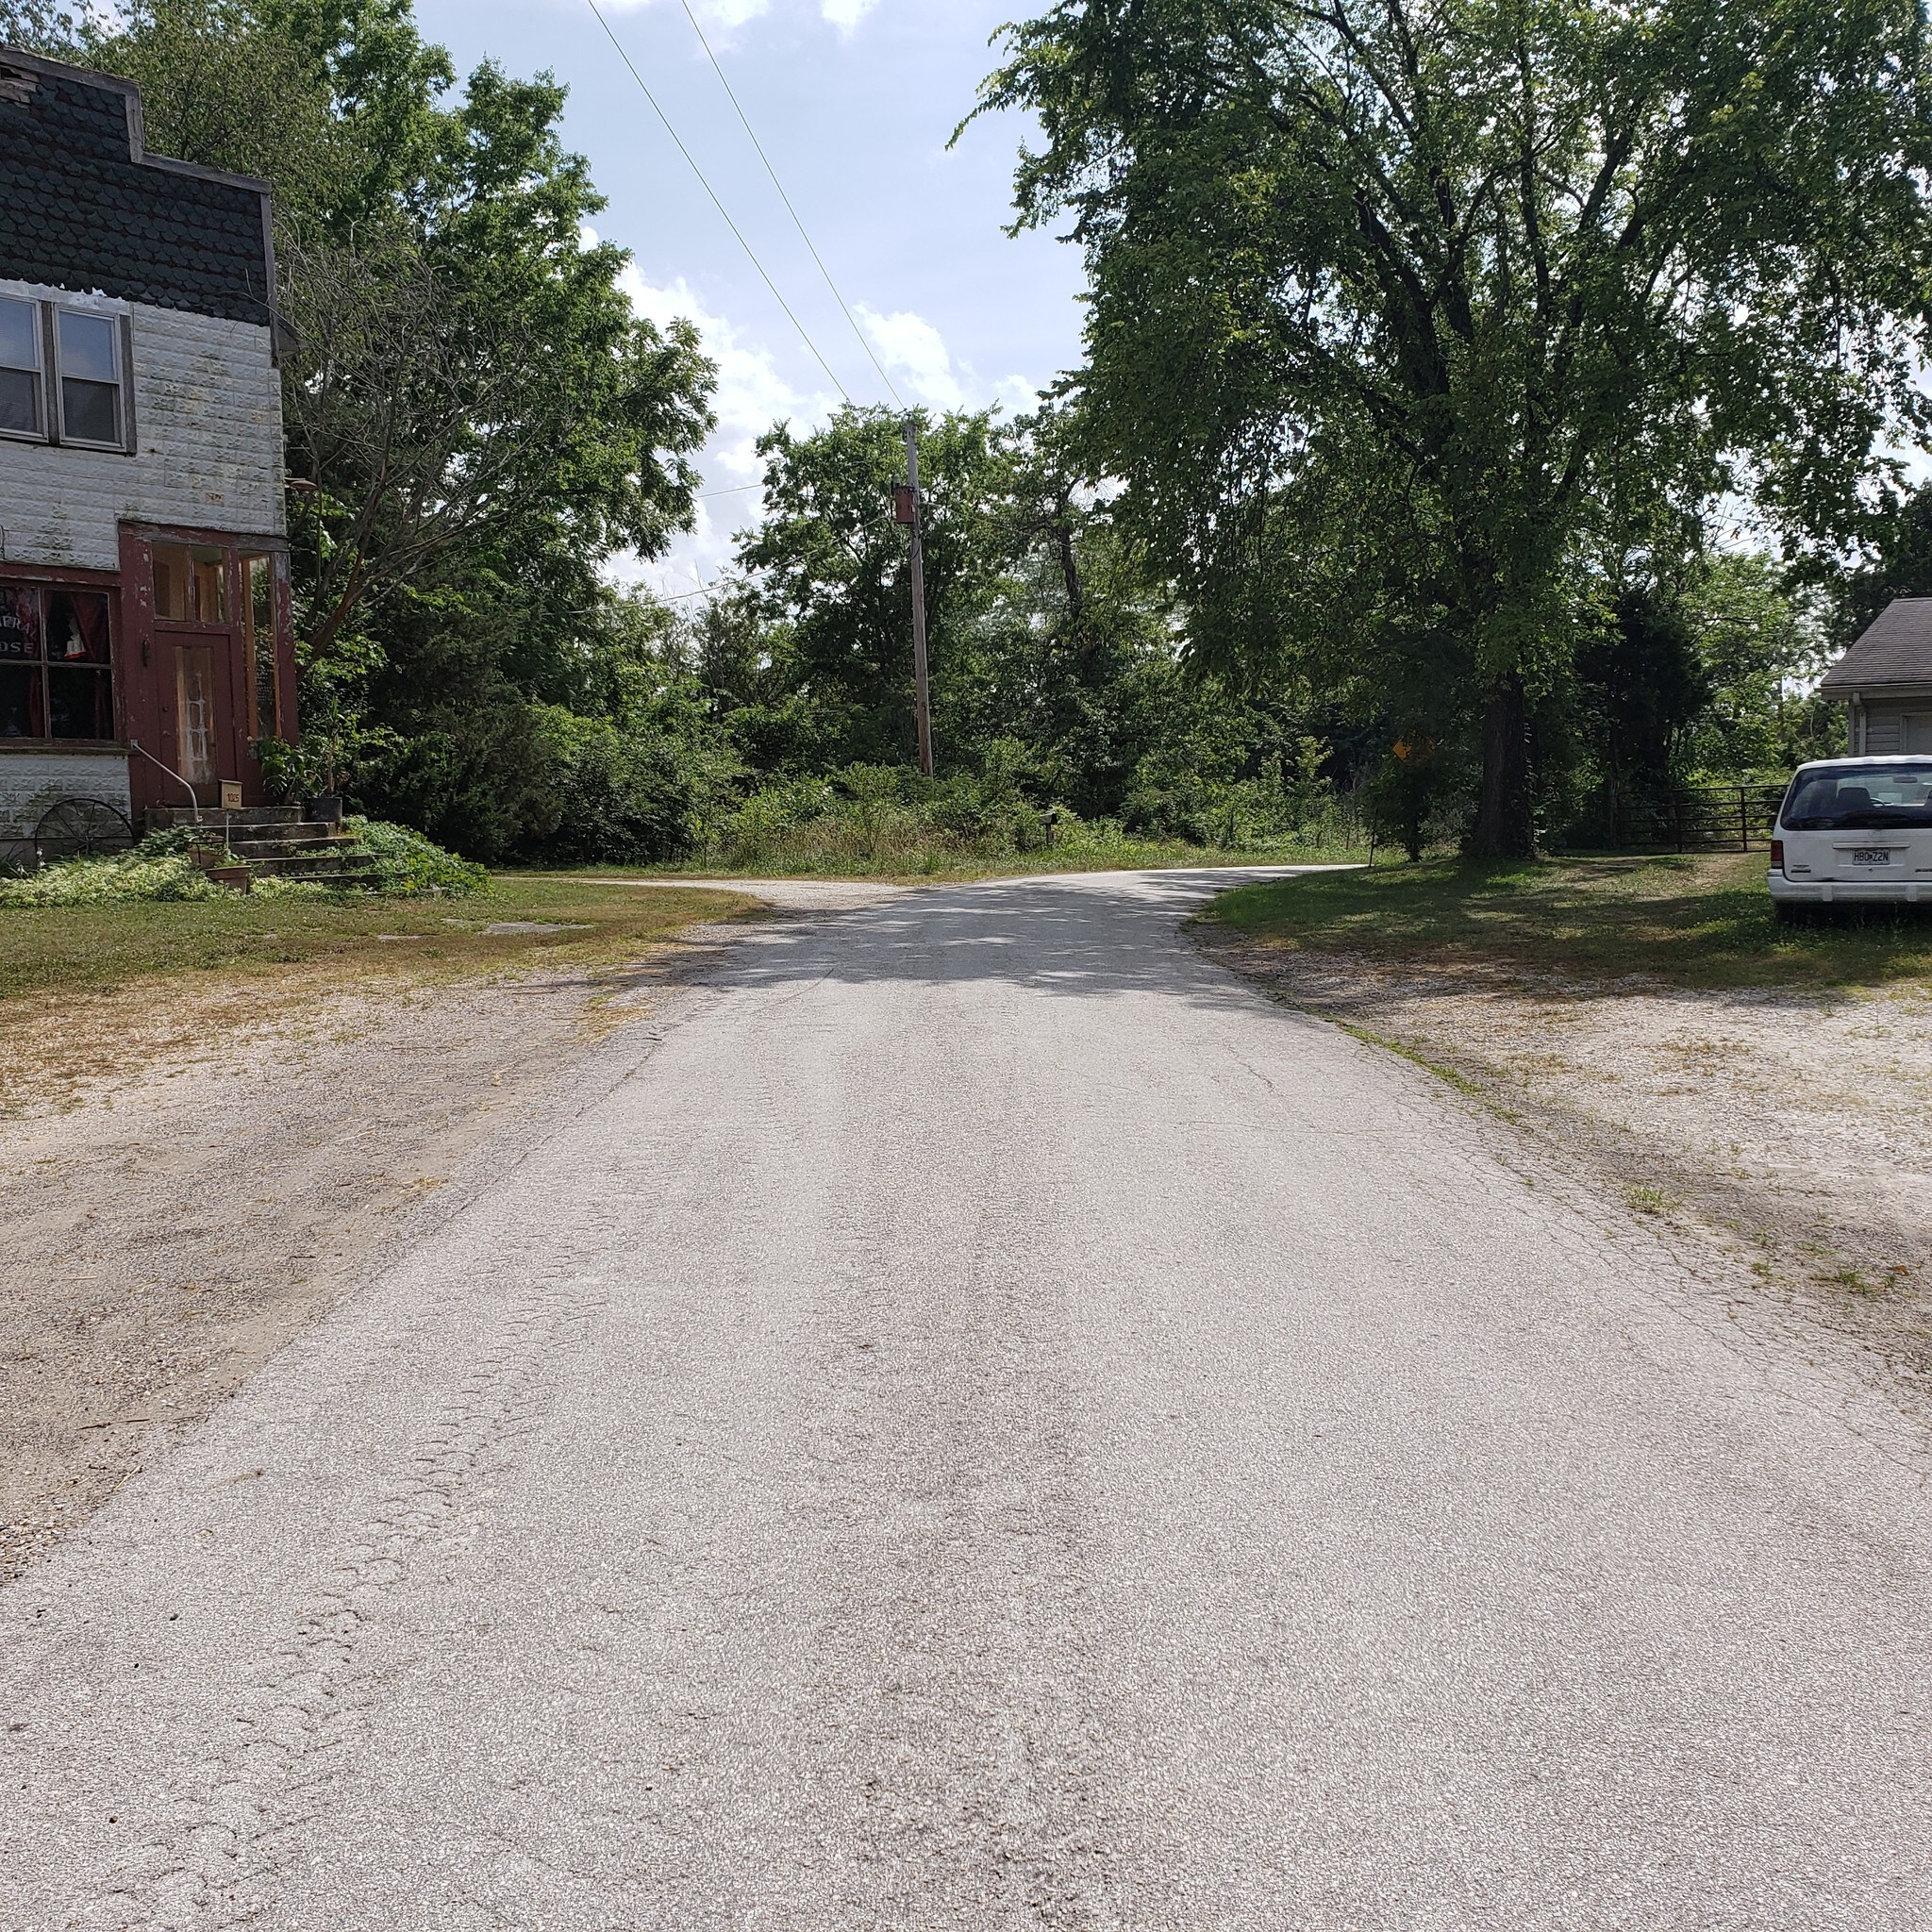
1872,855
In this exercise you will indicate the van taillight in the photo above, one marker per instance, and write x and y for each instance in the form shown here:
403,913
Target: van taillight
1777,854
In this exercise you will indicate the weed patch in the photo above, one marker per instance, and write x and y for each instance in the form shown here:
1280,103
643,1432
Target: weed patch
1462,1082
1655,1201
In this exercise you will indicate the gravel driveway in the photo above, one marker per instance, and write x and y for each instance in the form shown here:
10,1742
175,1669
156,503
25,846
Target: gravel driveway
992,1422
1781,1132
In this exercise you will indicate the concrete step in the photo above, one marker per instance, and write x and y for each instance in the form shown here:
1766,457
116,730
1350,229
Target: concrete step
289,865
304,838
211,817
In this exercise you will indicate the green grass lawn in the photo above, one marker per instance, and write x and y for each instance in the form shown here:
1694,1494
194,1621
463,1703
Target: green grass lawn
1693,920
55,949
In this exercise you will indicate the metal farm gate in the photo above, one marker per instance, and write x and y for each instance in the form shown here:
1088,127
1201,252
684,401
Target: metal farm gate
1699,818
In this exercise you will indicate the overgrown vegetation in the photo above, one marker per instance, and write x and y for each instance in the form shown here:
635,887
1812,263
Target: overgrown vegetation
159,871
1698,920
887,819
409,865
156,872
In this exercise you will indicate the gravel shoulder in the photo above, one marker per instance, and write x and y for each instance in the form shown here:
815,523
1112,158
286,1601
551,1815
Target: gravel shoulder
1781,1134
188,1181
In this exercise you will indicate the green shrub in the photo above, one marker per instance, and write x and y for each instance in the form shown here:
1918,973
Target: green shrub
631,794
156,869
407,865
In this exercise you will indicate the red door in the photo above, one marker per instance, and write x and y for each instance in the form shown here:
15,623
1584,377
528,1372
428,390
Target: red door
197,723
198,646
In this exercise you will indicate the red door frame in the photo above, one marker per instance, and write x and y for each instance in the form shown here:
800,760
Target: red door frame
146,664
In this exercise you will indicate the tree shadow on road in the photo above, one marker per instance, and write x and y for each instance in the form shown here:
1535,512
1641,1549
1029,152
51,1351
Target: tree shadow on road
1081,935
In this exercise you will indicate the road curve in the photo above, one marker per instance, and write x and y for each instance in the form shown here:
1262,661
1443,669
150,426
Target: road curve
989,1424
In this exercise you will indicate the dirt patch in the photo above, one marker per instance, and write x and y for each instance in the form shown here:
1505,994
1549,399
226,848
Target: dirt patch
1783,1134
215,1168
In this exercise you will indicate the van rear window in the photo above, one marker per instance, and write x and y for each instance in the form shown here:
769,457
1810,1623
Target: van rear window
1859,798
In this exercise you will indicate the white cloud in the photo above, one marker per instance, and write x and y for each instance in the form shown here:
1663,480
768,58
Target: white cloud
726,14
752,394
910,347
1021,396
723,15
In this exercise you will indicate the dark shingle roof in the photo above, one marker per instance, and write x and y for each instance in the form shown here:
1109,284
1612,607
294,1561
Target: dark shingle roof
83,206
1896,650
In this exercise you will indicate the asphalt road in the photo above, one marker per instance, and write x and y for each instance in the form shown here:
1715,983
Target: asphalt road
990,1423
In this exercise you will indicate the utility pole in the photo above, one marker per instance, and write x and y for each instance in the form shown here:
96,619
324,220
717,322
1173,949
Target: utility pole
905,509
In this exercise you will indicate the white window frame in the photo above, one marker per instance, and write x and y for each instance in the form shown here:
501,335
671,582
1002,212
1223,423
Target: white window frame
45,432
123,364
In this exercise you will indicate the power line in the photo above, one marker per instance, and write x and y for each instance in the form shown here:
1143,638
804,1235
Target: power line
673,132
736,489
844,307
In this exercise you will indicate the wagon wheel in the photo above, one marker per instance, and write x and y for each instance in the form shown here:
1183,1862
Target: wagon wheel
80,828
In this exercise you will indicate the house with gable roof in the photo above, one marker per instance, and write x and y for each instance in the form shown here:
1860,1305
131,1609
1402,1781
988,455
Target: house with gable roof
1885,682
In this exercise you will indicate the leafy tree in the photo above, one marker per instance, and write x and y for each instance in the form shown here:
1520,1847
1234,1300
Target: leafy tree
1056,665
1761,650
1899,565
1409,325
1645,683
478,372
833,567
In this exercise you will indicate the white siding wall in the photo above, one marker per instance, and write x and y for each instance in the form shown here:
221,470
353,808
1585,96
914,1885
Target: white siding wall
1882,731
208,418
1896,725
31,781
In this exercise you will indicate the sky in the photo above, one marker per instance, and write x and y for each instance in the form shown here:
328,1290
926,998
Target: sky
855,102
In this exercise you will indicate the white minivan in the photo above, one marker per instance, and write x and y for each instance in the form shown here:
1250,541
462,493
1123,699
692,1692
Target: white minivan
1855,832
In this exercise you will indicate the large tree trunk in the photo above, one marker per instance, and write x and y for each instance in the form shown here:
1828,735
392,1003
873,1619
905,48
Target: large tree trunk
1504,827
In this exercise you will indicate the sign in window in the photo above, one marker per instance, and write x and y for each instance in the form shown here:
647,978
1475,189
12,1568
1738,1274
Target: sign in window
56,669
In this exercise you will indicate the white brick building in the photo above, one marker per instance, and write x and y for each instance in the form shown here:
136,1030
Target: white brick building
144,644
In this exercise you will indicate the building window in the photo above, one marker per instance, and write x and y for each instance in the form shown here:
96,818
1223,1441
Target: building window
194,712
93,404
191,585
23,397
63,375
57,674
